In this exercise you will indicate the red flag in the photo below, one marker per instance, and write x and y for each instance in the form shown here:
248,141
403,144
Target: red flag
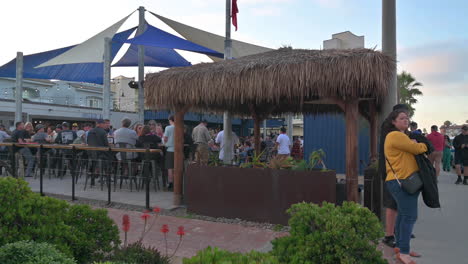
234,11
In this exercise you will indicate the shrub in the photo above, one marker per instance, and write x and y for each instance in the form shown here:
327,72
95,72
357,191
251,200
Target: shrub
136,253
328,235
217,256
29,252
74,230
96,233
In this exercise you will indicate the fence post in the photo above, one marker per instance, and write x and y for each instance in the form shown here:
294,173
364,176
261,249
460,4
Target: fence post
41,170
73,174
108,174
14,171
147,177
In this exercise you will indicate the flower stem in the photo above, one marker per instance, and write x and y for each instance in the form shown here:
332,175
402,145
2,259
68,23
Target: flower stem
165,240
178,245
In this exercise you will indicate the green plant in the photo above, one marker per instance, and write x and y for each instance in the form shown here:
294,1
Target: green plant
278,228
217,256
301,165
213,160
97,235
76,230
255,162
30,252
136,253
316,158
279,162
327,235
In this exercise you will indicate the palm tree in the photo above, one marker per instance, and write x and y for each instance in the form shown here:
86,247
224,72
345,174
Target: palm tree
408,88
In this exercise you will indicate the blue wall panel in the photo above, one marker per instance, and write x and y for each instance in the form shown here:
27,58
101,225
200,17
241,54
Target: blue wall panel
327,132
196,117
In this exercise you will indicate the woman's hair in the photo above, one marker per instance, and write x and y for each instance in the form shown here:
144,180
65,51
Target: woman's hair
447,138
28,124
145,131
388,125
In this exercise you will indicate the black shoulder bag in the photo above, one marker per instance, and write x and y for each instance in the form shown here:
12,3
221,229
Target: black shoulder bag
412,184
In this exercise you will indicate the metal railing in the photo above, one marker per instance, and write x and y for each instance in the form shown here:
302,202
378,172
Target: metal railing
73,151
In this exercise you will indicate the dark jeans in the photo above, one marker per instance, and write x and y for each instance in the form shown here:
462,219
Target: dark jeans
407,214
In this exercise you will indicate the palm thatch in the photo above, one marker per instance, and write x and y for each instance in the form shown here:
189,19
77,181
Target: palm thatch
274,82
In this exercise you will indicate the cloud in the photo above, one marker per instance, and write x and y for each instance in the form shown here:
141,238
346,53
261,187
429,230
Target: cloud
441,67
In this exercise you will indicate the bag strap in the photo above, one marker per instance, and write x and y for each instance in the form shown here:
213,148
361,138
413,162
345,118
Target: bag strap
394,173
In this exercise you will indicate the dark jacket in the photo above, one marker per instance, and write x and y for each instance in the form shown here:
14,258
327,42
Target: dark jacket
457,142
430,191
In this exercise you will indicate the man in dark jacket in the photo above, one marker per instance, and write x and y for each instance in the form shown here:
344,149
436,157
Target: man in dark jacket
427,172
460,143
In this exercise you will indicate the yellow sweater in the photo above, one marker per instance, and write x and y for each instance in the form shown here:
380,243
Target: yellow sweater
400,151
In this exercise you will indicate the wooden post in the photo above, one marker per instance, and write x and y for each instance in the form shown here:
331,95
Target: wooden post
257,122
351,115
178,154
373,130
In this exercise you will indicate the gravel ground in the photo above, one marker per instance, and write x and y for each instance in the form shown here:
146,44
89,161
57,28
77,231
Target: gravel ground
176,212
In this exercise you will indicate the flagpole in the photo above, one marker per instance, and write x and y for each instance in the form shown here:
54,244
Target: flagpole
227,124
141,67
106,79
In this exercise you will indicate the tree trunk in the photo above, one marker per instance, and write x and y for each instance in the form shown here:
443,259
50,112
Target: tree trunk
352,114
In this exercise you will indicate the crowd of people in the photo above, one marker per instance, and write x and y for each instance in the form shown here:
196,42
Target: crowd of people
201,143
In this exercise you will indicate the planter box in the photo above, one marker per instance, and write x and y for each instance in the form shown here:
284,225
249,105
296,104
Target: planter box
261,195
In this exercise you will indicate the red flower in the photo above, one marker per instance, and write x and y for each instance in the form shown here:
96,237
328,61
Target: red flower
164,229
145,216
181,231
125,223
156,210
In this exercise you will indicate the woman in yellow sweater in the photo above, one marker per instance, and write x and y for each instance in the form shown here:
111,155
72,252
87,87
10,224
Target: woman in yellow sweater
400,150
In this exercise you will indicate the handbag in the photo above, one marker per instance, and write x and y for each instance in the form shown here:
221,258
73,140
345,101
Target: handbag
412,184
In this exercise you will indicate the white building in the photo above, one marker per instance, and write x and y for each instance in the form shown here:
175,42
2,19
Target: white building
56,100
344,40
126,98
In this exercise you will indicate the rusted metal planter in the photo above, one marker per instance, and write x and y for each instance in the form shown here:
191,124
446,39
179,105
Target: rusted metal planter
261,195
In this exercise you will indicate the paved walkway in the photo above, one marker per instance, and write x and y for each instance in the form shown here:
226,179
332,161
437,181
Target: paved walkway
199,234
441,234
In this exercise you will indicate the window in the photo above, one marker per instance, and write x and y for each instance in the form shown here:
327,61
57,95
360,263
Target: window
94,102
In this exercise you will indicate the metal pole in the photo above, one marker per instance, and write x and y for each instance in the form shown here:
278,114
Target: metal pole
264,129
289,123
41,170
146,176
106,79
227,124
141,67
73,173
389,48
19,87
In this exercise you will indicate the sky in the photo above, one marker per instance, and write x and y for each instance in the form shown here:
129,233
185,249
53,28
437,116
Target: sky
432,35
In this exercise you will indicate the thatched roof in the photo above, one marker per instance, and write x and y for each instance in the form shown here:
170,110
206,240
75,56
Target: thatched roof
278,81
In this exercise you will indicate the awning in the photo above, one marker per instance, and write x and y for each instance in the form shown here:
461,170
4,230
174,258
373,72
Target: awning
78,72
156,37
212,41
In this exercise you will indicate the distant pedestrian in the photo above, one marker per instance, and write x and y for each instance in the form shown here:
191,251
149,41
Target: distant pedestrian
201,137
220,141
438,141
460,143
169,143
20,135
414,128
447,155
283,144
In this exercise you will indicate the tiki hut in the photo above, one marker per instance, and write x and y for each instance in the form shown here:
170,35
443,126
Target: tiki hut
275,82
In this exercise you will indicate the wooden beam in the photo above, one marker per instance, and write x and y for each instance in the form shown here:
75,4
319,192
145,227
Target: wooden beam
178,154
373,130
352,158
